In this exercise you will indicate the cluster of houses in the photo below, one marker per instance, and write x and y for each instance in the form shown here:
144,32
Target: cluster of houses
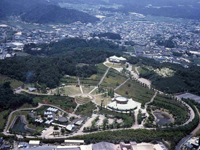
49,115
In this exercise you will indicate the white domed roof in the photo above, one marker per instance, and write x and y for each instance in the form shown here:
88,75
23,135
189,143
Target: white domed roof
121,99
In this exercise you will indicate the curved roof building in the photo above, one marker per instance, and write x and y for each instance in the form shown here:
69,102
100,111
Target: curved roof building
122,104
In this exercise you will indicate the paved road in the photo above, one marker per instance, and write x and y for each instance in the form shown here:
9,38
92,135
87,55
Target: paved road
185,139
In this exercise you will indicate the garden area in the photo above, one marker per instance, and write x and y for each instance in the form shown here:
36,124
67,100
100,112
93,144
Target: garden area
113,79
133,89
94,79
172,106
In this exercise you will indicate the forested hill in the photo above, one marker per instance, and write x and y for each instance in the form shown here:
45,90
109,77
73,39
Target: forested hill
183,80
70,45
55,14
39,11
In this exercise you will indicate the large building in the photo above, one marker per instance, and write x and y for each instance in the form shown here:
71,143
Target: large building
122,104
116,59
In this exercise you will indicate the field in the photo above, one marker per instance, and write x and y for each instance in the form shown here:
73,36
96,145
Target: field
132,89
94,79
113,79
87,89
82,100
106,99
14,83
68,90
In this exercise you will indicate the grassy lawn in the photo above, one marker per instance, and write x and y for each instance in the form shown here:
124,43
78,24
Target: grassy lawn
3,116
106,99
94,79
113,79
86,109
64,102
115,65
82,100
69,90
14,83
132,89
72,80
87,89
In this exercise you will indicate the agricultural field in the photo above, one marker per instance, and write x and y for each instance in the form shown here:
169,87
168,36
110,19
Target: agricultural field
113,79
14,83
134,90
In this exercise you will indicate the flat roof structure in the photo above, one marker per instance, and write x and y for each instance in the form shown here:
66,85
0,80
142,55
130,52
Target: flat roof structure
103,146
122,104
34,142
74,141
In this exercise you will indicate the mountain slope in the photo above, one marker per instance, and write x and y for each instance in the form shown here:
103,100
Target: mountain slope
55,14
41,11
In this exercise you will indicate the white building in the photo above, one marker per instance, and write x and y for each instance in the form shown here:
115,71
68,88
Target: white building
116,59
34,143
122,104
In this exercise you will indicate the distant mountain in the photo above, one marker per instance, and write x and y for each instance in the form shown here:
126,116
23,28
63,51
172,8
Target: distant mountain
42,11
55,14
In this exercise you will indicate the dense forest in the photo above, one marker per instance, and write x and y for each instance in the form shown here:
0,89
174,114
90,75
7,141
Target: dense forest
61,58
184,79
40,11
44,70
8,100
70,45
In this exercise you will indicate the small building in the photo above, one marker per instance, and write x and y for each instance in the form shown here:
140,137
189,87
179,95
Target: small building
62,119
31,89
34,143
52,109
39,120
116,59
70,127
74,142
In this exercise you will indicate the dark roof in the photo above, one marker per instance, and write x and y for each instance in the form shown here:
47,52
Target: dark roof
32,115
103,146
62,119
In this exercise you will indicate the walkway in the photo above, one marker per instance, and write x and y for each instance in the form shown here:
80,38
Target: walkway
121,84
103,76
